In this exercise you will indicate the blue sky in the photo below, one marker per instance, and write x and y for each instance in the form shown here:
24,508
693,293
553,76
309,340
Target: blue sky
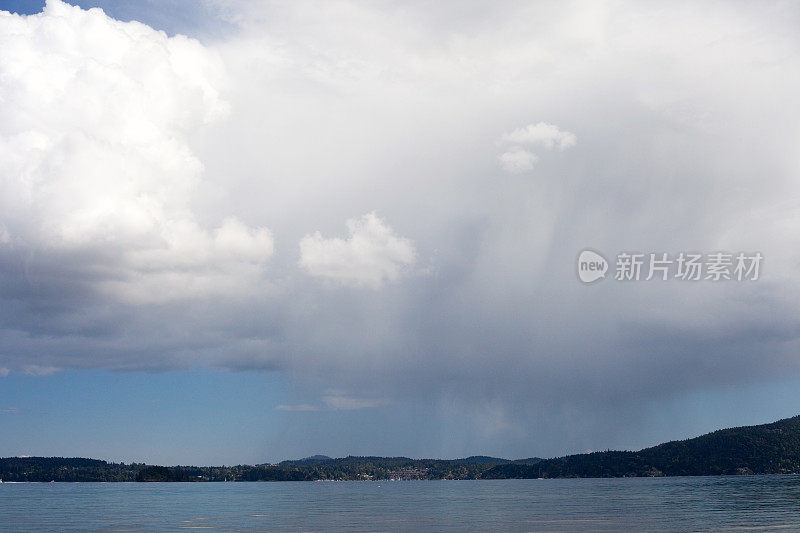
241,232
218,417
171,16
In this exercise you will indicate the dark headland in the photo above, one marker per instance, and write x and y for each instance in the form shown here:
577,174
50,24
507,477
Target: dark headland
765,449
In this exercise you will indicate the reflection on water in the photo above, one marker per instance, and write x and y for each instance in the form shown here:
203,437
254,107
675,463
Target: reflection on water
740,503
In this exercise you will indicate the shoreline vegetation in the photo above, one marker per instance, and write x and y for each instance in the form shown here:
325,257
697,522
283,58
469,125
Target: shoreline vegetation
764,449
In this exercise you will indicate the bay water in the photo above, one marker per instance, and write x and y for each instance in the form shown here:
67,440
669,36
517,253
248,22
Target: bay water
732,503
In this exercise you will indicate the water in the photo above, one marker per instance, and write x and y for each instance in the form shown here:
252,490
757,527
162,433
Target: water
742,503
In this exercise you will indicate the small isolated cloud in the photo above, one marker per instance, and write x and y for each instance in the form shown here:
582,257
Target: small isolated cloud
299,407
4,371
37,370
370,256
542,134
334,400
340,402
517,160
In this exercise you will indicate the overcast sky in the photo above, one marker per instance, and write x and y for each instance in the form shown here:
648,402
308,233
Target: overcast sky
264,230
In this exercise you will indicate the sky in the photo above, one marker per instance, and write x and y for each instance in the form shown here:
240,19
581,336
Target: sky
242,232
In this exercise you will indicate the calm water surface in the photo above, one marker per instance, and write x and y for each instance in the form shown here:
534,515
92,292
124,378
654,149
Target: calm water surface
742,503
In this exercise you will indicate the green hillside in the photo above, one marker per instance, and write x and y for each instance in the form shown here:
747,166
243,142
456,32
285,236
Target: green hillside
766,449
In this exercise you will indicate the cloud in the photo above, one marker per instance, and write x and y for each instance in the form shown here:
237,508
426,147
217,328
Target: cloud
10,410
370,256
96,158
341,402
38,370
153,191
541,134
517,160
299,407
4,371
334,400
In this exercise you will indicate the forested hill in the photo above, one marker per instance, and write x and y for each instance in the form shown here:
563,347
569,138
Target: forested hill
766,449
65,469
309,469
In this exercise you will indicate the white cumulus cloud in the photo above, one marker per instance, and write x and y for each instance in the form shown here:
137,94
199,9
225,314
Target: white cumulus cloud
542,134
517,160
370,256
96,159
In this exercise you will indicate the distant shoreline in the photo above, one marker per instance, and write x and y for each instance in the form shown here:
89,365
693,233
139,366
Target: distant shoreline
750,450
711,476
